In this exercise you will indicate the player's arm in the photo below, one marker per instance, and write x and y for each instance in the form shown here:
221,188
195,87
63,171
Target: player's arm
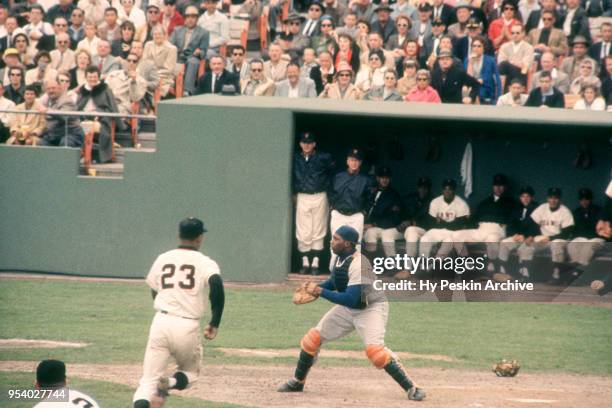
349,298
327,284
217,299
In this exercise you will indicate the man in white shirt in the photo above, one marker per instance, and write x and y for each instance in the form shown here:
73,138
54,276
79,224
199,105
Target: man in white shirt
128,11
217,25
294,86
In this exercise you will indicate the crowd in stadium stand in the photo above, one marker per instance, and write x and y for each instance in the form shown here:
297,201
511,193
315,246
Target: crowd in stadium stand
126,55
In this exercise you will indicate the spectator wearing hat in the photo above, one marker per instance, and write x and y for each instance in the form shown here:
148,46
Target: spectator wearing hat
448,79
408,80
515,57
462,13
447,213
491,217
387,92
217,25
276,67
585,77
129,12
556,224
421,27
571,64
384,24
326,39
364,9
423,91
521,231
336,9
431,43
323,73
348,51
43,70
515,96
311,181
560,79
350,194
256,83
16,88
295,86
590,98
153,17
548,38
500,29
11,59
372,74
603,48
341,88
575,21
586,242
5,118
443,12
403,7
484,68
191,42
170,17
312,26
383,214
26,129
291,40
51,375
415,215
545,95
215,78
462,47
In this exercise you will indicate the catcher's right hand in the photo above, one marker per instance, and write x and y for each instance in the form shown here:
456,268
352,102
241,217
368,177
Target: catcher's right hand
305,293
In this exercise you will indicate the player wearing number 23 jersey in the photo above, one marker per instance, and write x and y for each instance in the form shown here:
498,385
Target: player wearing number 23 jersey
178,280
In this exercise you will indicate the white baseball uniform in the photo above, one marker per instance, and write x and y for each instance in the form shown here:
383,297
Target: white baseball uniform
551,223
447,212
76,399
180,278
312,213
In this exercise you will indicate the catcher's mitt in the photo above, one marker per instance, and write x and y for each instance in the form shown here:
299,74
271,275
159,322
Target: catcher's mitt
506,368
305,293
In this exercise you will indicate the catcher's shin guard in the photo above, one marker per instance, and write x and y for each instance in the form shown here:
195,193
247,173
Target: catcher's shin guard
396,371
304,364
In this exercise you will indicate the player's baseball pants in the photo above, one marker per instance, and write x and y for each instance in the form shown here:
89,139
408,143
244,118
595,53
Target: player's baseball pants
412,235
338,220
311,218
489,233
369,323
387,236
508,245
556,247
435,236
581,250
170,336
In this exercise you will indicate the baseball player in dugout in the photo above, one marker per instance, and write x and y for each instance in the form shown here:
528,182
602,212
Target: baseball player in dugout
357,307
383,215
178,280
490,219
521,231
351,192
311,181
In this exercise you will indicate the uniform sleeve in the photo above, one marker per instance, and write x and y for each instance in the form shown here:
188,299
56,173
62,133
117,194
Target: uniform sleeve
152,280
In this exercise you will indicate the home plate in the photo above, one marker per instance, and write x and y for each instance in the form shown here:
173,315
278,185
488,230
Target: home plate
531,400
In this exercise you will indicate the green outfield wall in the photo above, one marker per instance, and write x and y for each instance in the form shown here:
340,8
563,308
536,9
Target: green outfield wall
228,161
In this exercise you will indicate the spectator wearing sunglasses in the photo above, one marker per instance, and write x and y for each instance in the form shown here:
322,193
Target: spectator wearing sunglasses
16,88
256,83
238,65
423,91
62,58
500,28
342,88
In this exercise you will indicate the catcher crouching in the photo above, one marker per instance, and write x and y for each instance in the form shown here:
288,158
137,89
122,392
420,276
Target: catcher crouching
358,307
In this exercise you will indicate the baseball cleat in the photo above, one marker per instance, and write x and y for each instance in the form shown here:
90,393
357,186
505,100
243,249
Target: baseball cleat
303,270
292,385
416,394
314,270
163,385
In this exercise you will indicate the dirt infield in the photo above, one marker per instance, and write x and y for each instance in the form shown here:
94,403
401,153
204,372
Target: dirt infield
367,387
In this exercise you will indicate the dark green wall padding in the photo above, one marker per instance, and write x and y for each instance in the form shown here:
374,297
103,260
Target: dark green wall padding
228,161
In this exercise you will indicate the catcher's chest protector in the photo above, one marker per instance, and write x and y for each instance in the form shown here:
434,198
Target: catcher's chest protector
340,275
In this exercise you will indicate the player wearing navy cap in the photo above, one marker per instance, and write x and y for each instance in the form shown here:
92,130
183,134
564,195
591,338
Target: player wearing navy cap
311,180
416,207
178,279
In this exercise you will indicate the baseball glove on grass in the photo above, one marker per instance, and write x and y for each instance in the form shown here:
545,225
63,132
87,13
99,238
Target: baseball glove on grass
305,293
506,368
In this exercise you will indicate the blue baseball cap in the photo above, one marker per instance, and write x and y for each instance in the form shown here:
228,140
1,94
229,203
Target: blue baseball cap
348,233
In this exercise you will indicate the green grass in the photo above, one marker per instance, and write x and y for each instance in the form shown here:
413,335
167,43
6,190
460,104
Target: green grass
115,319
107,395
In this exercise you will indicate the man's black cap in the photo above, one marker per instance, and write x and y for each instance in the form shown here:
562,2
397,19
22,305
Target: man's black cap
307,137
425,7
383,171
449,183
424,182
50,373
191,228
554,192
437,22
500,180
318,3
527,190
585,193
355,153
169,2
473,22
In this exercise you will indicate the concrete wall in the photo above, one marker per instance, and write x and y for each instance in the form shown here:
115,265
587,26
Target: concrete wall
228,161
